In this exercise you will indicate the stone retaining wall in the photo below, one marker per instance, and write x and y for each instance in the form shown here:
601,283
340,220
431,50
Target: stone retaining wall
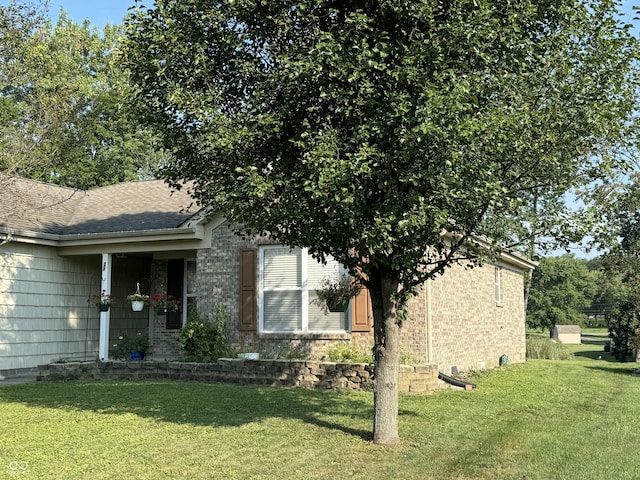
280,373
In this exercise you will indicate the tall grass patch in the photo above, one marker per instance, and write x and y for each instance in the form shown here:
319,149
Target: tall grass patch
546,349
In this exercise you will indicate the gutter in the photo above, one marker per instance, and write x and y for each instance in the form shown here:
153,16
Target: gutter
194,232
508,256
189,238
88,238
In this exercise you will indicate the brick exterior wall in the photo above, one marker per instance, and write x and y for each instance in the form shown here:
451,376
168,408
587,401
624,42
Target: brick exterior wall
414,330
469,331
219,282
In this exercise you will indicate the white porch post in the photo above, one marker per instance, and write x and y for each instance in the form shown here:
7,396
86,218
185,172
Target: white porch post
103,350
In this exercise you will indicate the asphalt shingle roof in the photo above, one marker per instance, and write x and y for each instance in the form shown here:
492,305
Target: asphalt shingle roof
132,206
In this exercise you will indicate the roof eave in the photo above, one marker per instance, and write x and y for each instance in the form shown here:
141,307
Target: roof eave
195,232
27,236
133,241
510,257
190,238
518,260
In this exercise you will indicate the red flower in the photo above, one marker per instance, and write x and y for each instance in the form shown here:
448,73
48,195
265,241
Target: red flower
160,300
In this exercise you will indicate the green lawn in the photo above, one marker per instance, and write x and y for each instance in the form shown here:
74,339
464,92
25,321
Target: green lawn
576,419
601,332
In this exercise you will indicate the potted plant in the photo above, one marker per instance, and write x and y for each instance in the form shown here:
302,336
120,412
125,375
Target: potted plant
334,294
102,300
132,348
138,300
164,303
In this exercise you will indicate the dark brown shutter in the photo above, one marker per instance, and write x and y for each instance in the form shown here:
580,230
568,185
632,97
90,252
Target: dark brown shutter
175,279
248,290
361,314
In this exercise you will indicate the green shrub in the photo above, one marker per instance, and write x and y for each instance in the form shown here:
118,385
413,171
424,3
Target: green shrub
125,345
624,321
293,354
203,340
545,348
346,353
407,359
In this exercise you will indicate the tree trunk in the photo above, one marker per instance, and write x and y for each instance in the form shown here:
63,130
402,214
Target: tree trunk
386,357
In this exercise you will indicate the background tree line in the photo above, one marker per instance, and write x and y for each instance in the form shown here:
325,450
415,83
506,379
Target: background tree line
566,290
66,115
604,291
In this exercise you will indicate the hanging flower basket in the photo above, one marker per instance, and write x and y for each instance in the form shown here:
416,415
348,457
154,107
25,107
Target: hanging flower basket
137,305
338,307
138,300
102,301
334,294
163,303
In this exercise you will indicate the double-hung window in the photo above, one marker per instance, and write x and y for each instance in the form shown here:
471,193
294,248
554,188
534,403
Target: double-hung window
288,281
497,284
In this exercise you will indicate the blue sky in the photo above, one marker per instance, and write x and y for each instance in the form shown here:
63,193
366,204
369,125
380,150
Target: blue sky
99,12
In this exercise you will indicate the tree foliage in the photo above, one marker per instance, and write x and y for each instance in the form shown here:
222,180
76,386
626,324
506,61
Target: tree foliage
366,129
18,20
621,266
562,288
64,103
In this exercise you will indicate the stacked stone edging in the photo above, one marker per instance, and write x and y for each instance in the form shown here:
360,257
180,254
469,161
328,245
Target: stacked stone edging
277,373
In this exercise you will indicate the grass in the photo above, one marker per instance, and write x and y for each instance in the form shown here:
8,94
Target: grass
574,419
600,332
545,348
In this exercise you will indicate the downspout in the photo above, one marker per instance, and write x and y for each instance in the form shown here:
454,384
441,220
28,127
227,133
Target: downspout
427,309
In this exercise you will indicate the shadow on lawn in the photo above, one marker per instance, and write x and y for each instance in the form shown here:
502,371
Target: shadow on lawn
599,355
619,371
194,403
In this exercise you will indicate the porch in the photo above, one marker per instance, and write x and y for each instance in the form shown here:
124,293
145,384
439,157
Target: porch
160,273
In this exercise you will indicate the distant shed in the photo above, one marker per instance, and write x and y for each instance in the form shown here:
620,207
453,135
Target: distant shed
567,334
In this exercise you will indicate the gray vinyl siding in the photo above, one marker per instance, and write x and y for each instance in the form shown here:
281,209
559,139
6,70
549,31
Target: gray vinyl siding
44,313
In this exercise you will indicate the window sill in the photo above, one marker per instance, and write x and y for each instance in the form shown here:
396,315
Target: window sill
305,336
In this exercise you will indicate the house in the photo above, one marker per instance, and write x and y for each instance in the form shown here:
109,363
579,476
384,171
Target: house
60,246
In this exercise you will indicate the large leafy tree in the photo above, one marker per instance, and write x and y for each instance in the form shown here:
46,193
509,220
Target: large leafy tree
65,103
18,20
389,135
80,86
562,289
621,268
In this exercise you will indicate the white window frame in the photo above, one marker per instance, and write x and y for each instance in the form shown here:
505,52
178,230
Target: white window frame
185,295
304,293
497,283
